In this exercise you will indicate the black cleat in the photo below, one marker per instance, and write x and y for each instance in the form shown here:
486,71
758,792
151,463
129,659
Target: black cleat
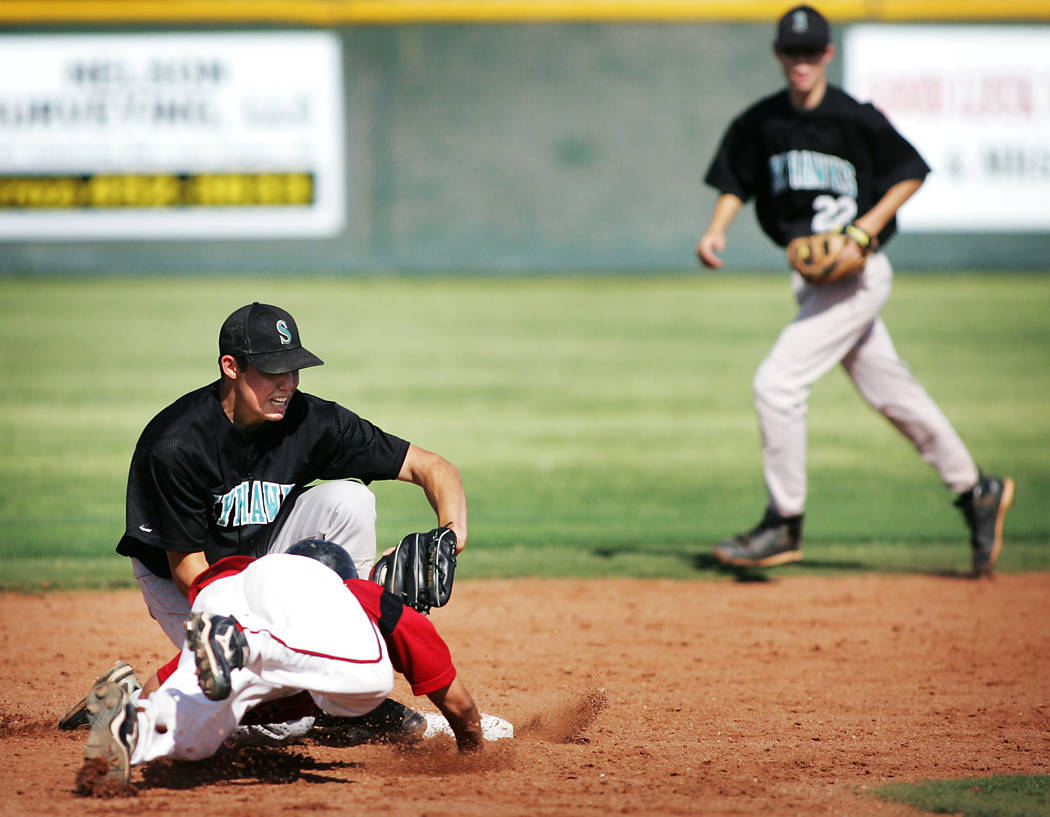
984,507
219,647
390,722
776,540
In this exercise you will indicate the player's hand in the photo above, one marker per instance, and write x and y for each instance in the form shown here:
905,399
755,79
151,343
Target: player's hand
708,247
851,254
462,714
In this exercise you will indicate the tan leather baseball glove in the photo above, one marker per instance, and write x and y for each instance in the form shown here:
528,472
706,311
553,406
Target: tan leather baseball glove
817,257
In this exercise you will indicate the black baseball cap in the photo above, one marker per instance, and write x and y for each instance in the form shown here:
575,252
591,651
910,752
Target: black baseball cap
803,27
267,337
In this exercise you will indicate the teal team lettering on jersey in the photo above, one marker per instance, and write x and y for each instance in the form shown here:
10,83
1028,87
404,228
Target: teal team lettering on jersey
254,502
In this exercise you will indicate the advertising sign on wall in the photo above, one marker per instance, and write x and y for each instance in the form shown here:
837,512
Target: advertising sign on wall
195,135
975,101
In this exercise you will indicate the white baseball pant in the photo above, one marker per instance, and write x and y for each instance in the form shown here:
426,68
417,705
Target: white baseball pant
840,323
305,631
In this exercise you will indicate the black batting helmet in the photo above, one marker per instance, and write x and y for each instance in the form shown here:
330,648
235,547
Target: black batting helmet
328,554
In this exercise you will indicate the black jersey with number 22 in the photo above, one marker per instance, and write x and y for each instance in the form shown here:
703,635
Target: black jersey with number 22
812,170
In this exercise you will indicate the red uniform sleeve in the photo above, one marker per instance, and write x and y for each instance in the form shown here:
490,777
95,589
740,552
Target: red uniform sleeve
416,649
165,672
230,566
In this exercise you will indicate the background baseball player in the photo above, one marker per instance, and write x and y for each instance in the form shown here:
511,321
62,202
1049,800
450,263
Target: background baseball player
815,160
264,629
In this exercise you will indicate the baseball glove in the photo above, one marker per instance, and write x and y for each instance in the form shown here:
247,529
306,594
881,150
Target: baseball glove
419,571
817,257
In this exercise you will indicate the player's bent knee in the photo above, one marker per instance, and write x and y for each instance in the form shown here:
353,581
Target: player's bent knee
771,391
348,498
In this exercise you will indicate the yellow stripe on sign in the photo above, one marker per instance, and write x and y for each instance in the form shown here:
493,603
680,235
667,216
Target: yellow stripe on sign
964,10
388,12
404,11
182,11
106,191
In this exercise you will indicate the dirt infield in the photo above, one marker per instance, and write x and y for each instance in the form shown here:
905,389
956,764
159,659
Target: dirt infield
790,697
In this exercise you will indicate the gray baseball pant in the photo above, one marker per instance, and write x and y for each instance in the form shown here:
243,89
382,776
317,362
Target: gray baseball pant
840,323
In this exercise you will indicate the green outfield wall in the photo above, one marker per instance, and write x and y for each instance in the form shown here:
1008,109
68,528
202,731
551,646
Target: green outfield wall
573,143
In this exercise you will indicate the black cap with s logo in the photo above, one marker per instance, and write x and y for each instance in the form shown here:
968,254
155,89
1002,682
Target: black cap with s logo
267,337
803,27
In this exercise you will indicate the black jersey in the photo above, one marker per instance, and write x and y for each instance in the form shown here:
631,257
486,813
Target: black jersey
811,170
199,483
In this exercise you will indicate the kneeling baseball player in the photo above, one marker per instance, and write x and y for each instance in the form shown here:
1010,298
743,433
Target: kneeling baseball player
267,629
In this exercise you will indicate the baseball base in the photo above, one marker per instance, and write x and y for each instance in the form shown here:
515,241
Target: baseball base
492,728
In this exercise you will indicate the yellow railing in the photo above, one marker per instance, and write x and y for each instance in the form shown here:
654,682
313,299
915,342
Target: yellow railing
380,12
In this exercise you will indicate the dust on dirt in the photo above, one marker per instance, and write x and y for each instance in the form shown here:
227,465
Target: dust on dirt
93,780
793,696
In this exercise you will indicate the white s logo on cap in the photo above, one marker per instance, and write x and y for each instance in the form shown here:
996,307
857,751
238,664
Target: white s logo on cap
282,330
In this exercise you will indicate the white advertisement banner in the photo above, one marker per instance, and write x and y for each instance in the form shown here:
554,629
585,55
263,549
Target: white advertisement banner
975,101
195,135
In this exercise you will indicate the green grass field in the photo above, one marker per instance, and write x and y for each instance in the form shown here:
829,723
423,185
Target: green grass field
603,424
1000,796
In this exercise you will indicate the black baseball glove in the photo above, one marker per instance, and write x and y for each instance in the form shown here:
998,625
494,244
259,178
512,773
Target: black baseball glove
419,571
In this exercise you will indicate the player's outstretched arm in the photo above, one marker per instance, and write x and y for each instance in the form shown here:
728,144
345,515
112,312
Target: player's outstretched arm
443,486
459,709
713,241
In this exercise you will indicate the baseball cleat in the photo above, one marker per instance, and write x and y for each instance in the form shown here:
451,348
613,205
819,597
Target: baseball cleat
114,729
984,507
776,540
219,647
120,674
390,722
